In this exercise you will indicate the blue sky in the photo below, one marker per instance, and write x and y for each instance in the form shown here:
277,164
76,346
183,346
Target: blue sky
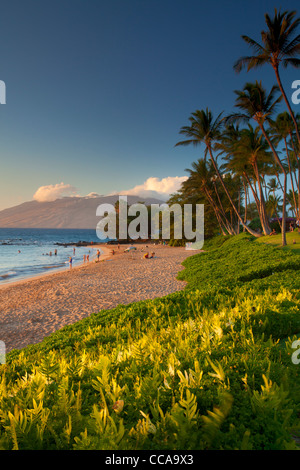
97,90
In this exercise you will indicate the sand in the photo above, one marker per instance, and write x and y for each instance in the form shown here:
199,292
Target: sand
33,309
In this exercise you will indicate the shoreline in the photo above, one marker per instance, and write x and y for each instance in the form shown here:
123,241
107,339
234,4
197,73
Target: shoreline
56,270
34,308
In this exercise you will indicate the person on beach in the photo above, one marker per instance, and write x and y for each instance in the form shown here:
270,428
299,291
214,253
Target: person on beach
98,254
70,262
88,258
84,258
74,251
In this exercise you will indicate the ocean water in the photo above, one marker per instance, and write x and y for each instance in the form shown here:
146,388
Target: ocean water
26,252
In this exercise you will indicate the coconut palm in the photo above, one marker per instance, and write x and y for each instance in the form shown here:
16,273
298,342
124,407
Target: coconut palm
247,153
273,206
201,181
274,201
291,202
282,128
273,186
256,104
280,45
205,129
253,149
226,147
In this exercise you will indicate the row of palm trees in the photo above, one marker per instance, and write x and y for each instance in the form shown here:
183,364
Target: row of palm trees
254,144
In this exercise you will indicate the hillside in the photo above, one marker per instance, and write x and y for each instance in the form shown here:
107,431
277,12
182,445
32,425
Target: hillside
68,212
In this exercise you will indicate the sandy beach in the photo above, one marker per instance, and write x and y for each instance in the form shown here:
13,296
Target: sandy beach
33,309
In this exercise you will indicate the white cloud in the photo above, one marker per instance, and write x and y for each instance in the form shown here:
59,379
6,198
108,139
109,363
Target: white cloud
155,187
92,195
54,191
152,187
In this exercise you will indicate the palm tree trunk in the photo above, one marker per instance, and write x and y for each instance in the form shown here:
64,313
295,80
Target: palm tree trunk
222,210
252,232
276,215
278,179
239,209
291,174
278,161
266,229
262,212
246,203
298,184
299,189
287,101
223,225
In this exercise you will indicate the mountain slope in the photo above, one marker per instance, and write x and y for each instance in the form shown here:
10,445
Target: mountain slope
68,212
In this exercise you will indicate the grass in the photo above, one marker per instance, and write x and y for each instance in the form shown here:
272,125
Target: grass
292,239
205,368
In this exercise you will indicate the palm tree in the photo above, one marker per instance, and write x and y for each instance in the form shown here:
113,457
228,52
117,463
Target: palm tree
248,154
273,202
279,46
273,206
256,104
282,128
227,145
204,129
291,201
202,182
273,186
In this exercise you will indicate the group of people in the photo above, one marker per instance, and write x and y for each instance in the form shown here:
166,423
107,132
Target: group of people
48,254
291,227
148,255
86,258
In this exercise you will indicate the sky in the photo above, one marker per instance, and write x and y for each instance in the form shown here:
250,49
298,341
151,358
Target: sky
97,91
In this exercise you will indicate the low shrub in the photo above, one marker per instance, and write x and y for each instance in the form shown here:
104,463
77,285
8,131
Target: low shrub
208,367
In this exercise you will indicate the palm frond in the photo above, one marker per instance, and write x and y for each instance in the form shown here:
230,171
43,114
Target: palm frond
291,61
254,44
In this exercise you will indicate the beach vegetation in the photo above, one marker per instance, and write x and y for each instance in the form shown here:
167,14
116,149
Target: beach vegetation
246,151
208,367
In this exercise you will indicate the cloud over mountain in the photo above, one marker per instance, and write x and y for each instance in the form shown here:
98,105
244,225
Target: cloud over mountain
54,191
155,187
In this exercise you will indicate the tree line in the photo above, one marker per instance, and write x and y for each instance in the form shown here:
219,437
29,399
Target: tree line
253,153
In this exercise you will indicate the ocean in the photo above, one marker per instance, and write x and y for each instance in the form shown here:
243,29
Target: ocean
26,252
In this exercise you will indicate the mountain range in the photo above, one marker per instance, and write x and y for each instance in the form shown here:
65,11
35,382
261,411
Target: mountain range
67,212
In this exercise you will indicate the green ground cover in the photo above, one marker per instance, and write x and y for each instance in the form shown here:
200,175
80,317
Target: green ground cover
292,239
209,367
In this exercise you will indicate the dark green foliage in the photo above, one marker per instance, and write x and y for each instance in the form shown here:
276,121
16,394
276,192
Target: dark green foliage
205,368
